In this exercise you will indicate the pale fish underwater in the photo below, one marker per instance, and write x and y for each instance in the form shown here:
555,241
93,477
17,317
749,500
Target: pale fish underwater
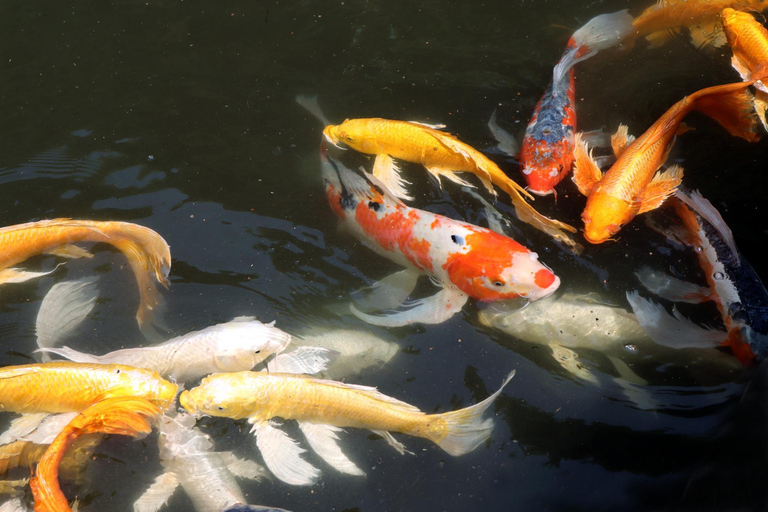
321,407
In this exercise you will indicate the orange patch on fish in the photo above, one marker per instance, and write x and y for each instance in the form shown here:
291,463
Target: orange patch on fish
334,199
544,278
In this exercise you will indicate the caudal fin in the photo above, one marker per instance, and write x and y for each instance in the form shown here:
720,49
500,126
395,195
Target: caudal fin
466,429
604,31
150,259
731,105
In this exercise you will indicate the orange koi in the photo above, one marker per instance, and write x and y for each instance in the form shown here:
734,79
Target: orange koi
128,416
748,40
701,17
443,155
632,185
147,252
72,387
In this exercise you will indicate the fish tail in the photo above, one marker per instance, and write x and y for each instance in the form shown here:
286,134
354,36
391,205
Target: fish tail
150,259
604,31
466,429
732,106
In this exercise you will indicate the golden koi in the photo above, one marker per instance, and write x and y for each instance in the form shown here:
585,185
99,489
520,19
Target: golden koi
128,416
701,17
72,387
320,406
632,186
748,40
147,252
443,155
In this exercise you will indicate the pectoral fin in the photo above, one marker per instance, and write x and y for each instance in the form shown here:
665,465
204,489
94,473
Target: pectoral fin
507,142
63,309
673,331
761,105
431,310
22,426
439,172
157,494
596,138
242,468
385,169
323,439
620,140
671,288
741,68
390,292
303,360
69,251
660,188
586,172
49,428
282,455
15,275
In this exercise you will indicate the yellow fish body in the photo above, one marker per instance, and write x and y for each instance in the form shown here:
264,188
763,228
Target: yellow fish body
72,387
442,154
318,404
148,253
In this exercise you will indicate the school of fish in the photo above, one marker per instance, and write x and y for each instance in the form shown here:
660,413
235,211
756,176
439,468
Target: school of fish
257,372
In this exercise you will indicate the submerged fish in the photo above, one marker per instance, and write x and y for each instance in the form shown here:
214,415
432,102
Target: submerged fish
190,462
147,252
748,40
632,185
464,260
128,416
320,407
733,286
546,156
234,346
72,387
663,19
443,155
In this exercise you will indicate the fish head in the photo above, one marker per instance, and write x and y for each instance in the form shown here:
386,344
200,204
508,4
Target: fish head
542,173
224,395
604,216
491,267
245,342
355,133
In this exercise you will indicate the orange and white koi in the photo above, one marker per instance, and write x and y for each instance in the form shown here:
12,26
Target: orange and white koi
748,40
72,387
320,407
632,186
443,155
148,253
546,156
128,416
464,260
732,285
666,17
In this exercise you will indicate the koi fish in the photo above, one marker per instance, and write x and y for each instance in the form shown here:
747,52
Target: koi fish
148,253
666,17
25,454
233,346
321,407
733,286
632,186
462,259
207,476
128,416
443,155
72,387
546,156
748,40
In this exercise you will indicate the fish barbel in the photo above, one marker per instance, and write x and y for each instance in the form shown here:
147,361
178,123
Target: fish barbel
72,387
632,186
128,416
320,407
148,253
443,155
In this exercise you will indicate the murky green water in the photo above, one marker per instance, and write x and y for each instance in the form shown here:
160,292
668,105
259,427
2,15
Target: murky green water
180,115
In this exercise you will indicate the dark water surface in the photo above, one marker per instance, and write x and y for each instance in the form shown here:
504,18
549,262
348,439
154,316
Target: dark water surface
180,116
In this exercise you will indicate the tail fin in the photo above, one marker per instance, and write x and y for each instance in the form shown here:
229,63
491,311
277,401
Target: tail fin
122,415
150,257
466,429
69,353
731,105
604,31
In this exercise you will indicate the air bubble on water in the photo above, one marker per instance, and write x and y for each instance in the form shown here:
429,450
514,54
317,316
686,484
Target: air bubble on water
630,347
151,157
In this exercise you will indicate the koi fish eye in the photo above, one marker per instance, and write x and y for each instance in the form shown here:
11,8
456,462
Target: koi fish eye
348,138
498,282
221,408
257,352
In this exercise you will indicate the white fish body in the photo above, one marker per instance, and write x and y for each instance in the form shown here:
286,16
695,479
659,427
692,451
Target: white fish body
207,476
237,345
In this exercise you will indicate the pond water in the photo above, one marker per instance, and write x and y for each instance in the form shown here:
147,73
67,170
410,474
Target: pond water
180,116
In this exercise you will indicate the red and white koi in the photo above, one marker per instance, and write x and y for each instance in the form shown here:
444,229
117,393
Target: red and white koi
464,260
